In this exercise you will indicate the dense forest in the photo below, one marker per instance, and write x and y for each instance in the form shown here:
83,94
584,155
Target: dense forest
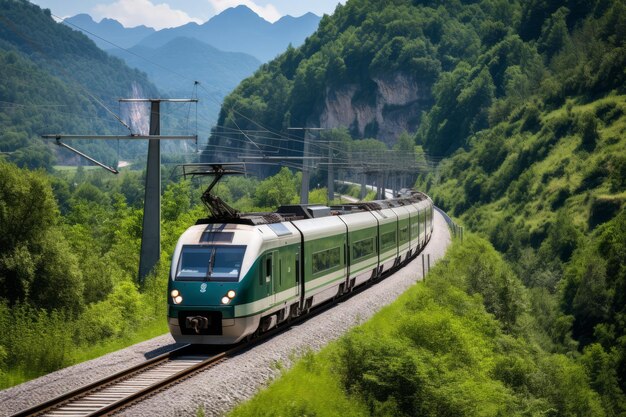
528,118
56,80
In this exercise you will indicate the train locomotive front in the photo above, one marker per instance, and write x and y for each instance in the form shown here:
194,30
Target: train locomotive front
221,281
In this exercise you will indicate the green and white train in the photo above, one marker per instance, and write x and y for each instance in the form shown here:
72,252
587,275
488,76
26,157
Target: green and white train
234,279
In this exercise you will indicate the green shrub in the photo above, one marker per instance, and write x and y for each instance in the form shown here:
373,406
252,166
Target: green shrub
609,111
437,351
601,370
532,119
588,130
617,173
603,209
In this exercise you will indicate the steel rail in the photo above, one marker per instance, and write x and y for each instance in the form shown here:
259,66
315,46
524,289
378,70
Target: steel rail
92,387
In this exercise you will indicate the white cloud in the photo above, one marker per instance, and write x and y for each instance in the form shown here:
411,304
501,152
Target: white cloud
268,12
131,13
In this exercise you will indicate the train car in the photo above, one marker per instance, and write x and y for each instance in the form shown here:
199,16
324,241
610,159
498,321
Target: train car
362,241
233,278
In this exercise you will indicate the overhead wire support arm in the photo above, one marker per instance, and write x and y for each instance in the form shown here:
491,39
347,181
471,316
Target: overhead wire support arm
76,151
160,100
279,158
151,223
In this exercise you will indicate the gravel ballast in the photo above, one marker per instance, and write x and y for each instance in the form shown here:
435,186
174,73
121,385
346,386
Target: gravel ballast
235,380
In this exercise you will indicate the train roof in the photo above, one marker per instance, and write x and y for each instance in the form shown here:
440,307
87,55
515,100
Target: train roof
311,211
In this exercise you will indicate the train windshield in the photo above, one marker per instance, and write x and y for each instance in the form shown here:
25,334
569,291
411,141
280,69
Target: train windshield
210,263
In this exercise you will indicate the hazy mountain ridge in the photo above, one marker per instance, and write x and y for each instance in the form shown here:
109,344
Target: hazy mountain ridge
109,29
236,29
219,53
200,61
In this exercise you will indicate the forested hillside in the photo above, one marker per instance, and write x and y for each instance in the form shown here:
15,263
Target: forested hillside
53,80
525,101
370,68
540,168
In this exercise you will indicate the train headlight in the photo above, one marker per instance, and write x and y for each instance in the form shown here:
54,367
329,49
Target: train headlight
231,294
177,298
225,300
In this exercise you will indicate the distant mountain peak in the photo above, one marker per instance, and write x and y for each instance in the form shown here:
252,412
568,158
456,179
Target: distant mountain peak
110,29
307,15
81,18
240,10
239,14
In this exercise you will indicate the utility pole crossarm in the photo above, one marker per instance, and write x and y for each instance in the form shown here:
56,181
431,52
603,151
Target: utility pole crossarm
160,100
120,137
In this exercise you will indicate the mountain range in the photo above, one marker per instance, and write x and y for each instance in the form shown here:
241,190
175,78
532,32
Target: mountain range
218,54
109,29
236,29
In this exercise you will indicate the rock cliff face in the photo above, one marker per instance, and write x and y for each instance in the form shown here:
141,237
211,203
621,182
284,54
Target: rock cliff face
392,104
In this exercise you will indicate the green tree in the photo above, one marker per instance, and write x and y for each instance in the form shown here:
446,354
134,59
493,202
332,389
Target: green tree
36,264
176,200
278,190
554,33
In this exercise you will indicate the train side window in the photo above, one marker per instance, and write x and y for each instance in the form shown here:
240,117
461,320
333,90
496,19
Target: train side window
363,248
297,268
387,240
404,233
268,268
326,259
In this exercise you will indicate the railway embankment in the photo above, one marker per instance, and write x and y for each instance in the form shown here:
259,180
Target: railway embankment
218,389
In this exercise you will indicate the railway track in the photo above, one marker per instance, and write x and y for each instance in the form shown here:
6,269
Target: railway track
108,395
118,391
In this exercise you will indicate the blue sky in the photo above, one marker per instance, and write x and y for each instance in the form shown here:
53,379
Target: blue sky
170,13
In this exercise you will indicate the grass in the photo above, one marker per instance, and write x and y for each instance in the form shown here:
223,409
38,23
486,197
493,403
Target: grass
73,168
154,329
39,342
435,351
309,389
74,354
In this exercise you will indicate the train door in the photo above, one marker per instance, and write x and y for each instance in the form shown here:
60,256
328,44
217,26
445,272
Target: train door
271,275
298,272
419,231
